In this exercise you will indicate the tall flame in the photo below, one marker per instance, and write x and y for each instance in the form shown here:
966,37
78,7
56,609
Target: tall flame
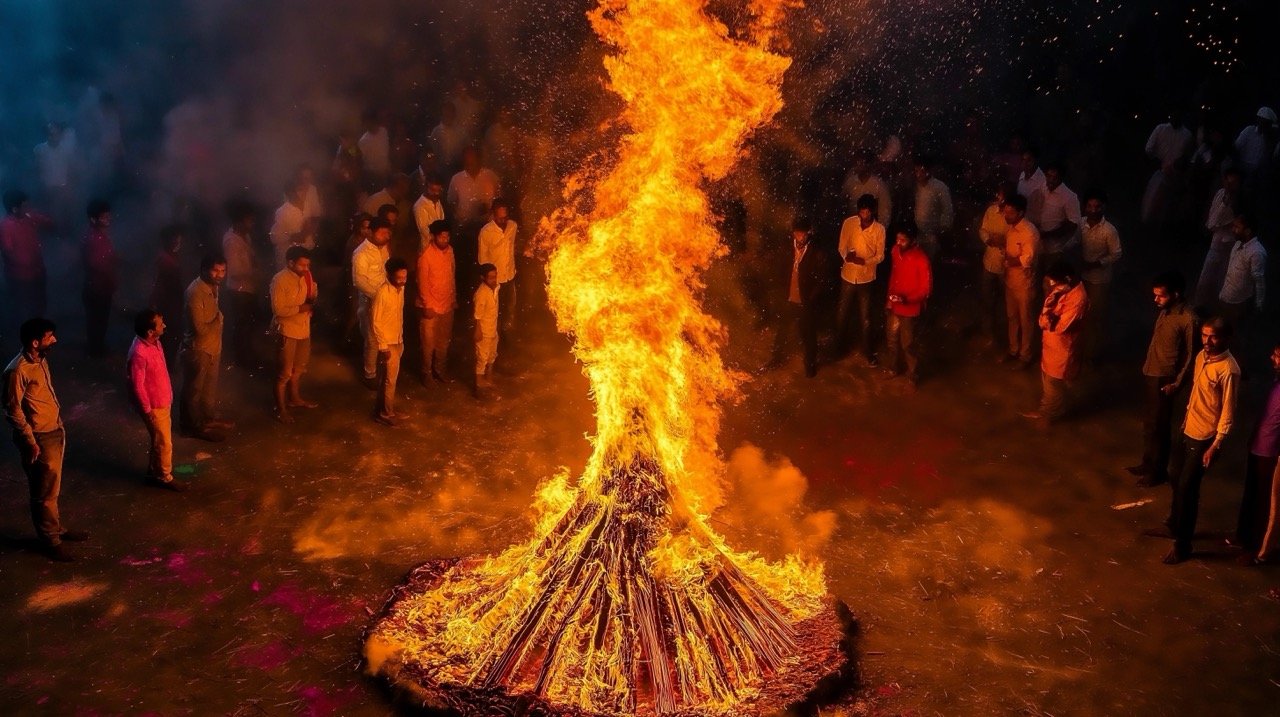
625,601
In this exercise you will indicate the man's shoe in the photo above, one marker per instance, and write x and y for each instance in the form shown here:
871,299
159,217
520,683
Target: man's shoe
208,435
440,378
1161,532
1151,481
76,536
170,484
220,425
58,554
1174,556
386,420
873,361
369,383
1142,469
303,404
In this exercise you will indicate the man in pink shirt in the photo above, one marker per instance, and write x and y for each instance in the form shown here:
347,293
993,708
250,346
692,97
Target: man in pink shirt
153,396
22,255
99,258
437,298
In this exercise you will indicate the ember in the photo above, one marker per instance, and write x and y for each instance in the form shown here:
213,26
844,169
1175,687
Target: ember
625,601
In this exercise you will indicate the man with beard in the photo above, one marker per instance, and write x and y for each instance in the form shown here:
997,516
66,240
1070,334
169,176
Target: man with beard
202,352
32,409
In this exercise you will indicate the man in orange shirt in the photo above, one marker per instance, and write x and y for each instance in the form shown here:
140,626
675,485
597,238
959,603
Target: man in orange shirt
910,283
437,298
1061,323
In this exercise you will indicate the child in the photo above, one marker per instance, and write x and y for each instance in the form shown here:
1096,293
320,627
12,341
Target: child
486,315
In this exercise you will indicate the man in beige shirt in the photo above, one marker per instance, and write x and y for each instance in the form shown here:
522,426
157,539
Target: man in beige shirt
386,320
293,299
1022,244
1210,414
202,353
862,243
32,409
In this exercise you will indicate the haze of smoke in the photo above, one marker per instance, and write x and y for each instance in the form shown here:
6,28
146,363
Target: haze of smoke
765,510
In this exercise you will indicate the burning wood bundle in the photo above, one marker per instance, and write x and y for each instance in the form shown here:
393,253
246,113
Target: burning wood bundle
625,602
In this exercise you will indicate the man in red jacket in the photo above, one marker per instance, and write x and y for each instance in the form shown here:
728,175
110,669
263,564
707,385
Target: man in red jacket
910,283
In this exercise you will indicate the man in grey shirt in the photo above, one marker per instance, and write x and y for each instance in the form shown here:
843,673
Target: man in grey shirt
32,409
202,353
1169,357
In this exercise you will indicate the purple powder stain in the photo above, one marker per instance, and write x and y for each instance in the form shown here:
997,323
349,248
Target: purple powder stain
323,704
318,613
184,569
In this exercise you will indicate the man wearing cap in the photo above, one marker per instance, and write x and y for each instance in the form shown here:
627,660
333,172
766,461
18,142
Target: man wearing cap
1254,141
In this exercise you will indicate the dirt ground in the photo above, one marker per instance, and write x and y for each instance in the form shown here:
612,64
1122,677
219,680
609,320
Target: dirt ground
993,569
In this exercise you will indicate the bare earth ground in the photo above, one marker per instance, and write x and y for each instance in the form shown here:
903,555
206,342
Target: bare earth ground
986,564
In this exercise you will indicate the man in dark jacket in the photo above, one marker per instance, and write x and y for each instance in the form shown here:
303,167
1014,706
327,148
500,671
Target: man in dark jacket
809,280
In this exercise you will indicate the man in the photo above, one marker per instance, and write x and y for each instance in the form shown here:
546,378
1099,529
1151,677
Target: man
472,191
497,246
202,353
1259,509
57,166
1164,373
934,213
1100,248
32,409
289,227
485,313
809,277
242,282
1210,415
312,209
23,256
386,319
1170,145
167,290
375,147
862,243
863,180
1055,210
98,257
293,300
910,283
1031,180
404,243
447,138
368,274
1244,289
1022,245
1257,140
428,210
153,396
1221,217
437,299
395,194
1061,321
992,231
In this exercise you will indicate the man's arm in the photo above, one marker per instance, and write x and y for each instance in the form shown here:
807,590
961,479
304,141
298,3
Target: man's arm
1258,267
203,310
138,382
14,391
376,321
282,303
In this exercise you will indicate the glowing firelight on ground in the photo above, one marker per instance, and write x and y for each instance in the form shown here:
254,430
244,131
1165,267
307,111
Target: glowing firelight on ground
625,601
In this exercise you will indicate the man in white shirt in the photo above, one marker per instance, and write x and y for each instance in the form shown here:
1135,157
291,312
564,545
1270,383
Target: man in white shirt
497,246
1055,210
472,191
428,210
1244,289
368,272
863,180
1022,245
311,206
1221,216
1100,248
485,303
1169,145
242,282
448,139
1256,141
1031,180
375,148
387,331
934,213
56,165
290,223
293,298
862,243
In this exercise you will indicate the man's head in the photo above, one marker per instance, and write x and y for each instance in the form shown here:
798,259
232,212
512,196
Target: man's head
1243,226
1003,191
863,162
360,224
99,213
1015,208
37,336
801,231
148,324
1062,275
1030,162
398,187
242,217
298,260
306,175
1232,178
905,235
213,269
1167,289
381,229
295,192
501,213
1053,176
1215,334
389,214
923,170
867,207
15,202
434,189
1095,205
397,272
171,238
439,233
372,120
1275,358
471,160
1266,118
53,132
489,275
